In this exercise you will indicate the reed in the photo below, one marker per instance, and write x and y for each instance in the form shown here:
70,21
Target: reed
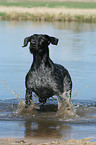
47,11
47,17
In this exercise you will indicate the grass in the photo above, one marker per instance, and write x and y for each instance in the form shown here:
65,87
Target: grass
49,4
42,11
2,14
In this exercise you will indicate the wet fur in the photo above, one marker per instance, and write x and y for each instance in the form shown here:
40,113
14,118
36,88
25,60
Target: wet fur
45,78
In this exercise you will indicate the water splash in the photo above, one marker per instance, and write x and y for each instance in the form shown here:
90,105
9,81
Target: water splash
11,90
31,110
68,111
64,112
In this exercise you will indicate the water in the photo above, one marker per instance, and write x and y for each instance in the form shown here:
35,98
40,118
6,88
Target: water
76,51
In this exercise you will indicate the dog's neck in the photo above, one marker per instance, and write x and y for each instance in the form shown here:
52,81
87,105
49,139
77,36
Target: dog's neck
39,60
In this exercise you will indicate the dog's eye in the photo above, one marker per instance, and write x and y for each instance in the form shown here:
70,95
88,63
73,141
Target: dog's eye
42,40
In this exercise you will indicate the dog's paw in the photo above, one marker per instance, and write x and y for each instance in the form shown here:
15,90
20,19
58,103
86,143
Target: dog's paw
26,106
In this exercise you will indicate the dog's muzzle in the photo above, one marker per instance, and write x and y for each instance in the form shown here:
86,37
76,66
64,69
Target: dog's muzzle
34,44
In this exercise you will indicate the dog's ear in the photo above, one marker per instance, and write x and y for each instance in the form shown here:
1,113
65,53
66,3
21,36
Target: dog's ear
52,40
26,40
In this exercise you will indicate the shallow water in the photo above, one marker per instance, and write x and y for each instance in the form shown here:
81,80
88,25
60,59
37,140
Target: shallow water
76,51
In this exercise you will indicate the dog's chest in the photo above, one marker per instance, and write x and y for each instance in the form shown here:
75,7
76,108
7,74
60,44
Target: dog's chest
42,78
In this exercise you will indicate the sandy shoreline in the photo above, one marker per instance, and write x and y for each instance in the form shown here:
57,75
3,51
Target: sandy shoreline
11,141
47,14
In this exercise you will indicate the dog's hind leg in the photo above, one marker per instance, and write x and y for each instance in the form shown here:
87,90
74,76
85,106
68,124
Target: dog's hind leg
28,97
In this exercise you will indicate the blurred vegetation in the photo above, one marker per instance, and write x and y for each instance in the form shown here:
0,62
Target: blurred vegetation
49,15
49,4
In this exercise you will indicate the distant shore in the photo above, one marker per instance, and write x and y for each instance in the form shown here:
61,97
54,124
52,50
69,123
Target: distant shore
46,10
47,14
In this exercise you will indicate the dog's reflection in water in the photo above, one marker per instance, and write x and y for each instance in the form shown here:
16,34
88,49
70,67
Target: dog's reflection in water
45,129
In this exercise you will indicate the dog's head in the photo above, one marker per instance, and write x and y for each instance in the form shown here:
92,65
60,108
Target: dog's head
39,42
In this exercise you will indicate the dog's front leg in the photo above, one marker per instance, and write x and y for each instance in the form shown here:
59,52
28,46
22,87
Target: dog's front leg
28,97
64,100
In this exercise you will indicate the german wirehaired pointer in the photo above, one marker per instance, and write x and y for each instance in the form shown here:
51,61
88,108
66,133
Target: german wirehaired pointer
45,78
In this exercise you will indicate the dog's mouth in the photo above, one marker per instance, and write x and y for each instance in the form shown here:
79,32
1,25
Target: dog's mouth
33,45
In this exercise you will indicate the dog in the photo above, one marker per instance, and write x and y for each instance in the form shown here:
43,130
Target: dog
45,78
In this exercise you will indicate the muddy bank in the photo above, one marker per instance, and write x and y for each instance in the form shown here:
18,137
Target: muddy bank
10,141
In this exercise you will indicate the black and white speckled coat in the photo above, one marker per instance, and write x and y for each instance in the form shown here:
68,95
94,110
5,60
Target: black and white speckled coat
45,78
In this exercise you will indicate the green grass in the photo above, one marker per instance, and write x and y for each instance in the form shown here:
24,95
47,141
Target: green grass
2,14
50,4
48,17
